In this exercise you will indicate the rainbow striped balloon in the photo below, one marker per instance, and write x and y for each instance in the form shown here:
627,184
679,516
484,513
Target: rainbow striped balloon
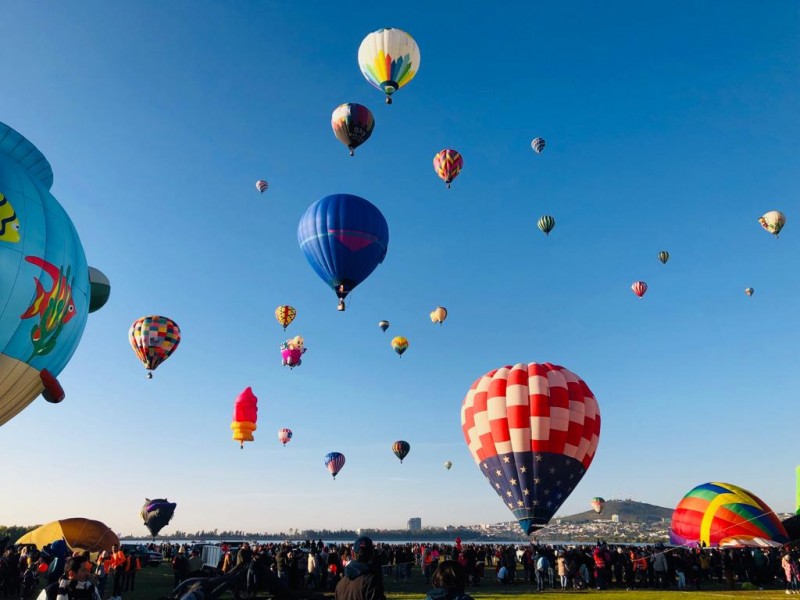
721,514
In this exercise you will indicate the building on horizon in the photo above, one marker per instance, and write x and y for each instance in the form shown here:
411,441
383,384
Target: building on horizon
414,524
615,518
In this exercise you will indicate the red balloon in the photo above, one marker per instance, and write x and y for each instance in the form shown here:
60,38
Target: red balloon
639,288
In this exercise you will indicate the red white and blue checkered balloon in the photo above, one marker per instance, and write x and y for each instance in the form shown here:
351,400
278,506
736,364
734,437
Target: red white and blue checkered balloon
533,431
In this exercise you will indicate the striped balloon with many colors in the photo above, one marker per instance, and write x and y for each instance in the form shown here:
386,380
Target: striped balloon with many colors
389,58
722,514
401,448
448,164
533,431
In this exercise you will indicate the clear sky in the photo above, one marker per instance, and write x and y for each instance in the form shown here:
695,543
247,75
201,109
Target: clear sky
669,125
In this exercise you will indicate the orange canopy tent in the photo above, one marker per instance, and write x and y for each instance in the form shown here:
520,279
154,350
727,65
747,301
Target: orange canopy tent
79,533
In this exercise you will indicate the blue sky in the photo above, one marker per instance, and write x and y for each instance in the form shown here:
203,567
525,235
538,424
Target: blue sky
669,125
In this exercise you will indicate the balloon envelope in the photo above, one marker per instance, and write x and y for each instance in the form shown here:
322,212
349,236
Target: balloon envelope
533,431
448,164
157,513
400,344
154,339
245,415
352,124
389,58
344,238
722,514
334,461
262,185
639,288
44,278
597,504
99,289
384,325
448,464
284,435
538,145
285,315
438,315
401,449
546,224
749,291
773,221
79,533
663,256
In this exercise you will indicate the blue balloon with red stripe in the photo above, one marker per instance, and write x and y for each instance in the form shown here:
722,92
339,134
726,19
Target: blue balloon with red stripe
344,238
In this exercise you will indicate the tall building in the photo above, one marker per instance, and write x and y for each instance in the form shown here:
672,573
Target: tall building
414,524
615,518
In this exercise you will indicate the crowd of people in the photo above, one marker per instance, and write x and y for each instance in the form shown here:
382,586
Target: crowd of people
298,570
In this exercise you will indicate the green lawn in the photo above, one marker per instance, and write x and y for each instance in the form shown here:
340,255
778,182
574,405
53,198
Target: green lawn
153,583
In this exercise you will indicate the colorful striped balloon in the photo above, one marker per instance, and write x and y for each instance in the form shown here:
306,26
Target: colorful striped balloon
400,344
639,288
533,431
389,58
448,164
721,514
401,449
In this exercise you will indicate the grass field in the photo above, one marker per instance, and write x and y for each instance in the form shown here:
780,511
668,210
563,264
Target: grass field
154,582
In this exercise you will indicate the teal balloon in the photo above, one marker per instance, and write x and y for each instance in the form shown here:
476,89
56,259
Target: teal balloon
44,278
663,256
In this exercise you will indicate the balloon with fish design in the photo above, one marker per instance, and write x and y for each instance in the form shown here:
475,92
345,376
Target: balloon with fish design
44,279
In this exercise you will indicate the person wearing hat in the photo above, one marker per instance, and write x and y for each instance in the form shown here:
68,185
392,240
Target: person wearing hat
180,566
362,580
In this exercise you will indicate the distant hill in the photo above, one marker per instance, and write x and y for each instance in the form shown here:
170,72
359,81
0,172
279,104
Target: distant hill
629,511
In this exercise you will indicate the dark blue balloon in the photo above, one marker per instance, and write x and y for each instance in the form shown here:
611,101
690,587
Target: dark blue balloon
344,237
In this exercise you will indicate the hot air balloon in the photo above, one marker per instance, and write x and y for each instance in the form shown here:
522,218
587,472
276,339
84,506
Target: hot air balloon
154,339
663,256
546,224
284,435
157,513
389,59
343,237
400,344
597,504
384,325
721,514
639,288
448,464
285,315
538,145
292,350
438,315
533,432
334,461
262,185
773,221
245,415
749,291
401,449
99,289
352,125
448,164
44,279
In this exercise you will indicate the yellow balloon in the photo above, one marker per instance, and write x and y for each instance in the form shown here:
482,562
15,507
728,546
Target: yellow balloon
400,344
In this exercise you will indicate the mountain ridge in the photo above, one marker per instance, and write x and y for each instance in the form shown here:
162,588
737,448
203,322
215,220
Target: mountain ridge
628,511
